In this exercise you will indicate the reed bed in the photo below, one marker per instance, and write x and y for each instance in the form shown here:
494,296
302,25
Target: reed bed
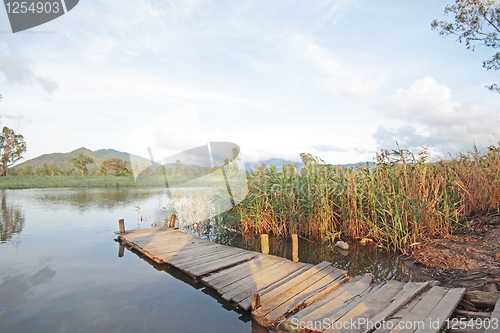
405,198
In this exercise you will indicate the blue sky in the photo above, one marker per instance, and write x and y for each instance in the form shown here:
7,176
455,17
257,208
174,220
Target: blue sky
338,79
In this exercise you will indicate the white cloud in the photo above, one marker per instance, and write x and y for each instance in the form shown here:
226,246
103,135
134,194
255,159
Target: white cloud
436,119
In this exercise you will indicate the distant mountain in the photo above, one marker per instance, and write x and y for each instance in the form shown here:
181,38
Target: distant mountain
111,153
62,160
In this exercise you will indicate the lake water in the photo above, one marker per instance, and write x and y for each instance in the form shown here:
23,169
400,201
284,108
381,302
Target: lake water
60,270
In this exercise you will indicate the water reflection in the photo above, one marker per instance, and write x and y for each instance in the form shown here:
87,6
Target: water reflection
17,290
11,219
358,260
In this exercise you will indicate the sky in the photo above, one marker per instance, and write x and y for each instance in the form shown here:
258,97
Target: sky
338,79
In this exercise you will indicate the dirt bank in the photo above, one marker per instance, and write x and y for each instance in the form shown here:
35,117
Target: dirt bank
465,259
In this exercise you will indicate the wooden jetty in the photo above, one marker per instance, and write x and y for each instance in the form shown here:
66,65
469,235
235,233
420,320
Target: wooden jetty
296,297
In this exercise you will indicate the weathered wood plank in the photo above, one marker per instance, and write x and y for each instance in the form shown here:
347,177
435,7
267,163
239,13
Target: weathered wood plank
219,277
261,281
418,314
409,292
333,306
241,274
243,284
219,264
353,302
292,283
295,286
306,296
442,311
276,280
374,303
390,322
194,260
244,300
186,252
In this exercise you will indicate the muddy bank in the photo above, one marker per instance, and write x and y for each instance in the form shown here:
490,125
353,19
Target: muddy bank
467,259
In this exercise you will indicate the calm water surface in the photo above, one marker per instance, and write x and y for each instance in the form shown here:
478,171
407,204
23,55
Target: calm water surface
60,270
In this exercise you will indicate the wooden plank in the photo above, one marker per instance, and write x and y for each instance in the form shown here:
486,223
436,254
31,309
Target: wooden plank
394,320
161,236
276,280
495,319
299,299
244,300
256,264
409,292
442,311
219,264
168,242
328,309
186,252
256,283
167,252
225,254
353,302
295,286
149,235
244,283
324,300
418,314
371,305
292,283
241,274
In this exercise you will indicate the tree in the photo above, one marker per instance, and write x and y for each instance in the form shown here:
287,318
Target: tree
117,166
53,170
476,21
26,171
42,171
12,146
80,162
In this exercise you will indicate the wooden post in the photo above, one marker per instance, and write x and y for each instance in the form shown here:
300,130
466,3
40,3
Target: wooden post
172,220
255,301
295,248
121,223
121,250
264,243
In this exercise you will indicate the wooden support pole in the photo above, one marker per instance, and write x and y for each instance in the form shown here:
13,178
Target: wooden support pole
255,300
295,248
264,243
121,223
172,220
121,250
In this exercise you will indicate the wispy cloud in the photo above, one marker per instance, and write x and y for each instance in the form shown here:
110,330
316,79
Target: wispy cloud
21,70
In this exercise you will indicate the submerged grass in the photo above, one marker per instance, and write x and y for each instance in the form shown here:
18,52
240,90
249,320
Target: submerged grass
403,199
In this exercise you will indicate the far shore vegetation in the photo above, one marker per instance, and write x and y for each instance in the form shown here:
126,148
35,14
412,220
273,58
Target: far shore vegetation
404,199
